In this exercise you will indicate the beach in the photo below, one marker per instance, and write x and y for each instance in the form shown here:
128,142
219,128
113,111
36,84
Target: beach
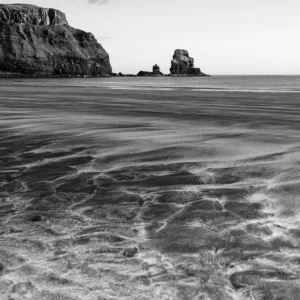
112,191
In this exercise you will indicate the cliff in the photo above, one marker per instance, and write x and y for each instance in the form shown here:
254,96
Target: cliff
183,65
37,41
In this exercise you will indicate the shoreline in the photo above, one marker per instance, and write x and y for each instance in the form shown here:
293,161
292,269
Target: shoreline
90,76
218,84
16,75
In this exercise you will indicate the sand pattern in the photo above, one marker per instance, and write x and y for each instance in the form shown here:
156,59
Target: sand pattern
108,194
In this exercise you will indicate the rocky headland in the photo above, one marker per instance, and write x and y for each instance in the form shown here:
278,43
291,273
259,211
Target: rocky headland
37,41
183,65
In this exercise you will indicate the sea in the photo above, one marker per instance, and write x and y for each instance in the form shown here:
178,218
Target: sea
246,83
132,188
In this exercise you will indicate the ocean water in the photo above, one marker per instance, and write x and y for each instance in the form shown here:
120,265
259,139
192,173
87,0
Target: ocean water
261,83
150,188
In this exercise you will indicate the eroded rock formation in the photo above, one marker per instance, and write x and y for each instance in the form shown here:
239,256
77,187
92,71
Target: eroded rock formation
155,72
183,65
37,41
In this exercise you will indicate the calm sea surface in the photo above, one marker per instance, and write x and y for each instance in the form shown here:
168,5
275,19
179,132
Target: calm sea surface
150,188
234,83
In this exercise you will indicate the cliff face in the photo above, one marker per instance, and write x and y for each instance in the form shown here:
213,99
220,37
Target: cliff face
183,64
37,41
30,14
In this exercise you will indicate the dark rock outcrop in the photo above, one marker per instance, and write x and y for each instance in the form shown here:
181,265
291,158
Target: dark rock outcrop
130,252
37,41
183,65
1,269
144,73
255,277
155,72
30,14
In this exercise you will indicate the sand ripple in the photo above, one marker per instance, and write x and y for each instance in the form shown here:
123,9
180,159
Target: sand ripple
99,203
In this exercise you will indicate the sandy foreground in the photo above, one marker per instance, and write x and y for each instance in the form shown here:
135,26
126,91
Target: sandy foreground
127,194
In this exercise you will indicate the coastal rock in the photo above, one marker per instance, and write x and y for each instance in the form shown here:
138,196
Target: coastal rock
30,14
183,65
130,252
256,277
155,72
1,269
144,73
37,41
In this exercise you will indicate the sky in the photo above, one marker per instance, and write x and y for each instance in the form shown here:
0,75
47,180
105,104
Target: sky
225,37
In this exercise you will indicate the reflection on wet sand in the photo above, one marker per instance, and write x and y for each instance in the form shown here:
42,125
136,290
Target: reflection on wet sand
108,194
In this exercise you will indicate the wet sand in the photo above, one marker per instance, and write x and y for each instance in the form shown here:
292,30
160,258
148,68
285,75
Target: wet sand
129,194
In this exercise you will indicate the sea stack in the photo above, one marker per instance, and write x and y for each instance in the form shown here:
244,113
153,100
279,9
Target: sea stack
183,65
36,41
155,72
